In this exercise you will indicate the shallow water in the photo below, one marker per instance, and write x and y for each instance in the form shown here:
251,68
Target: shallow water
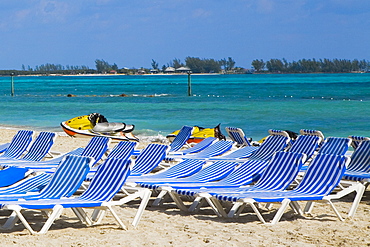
336,104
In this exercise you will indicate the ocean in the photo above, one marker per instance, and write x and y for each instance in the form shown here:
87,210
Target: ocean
336,104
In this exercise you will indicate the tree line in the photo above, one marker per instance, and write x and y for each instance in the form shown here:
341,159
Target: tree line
204,65
311,66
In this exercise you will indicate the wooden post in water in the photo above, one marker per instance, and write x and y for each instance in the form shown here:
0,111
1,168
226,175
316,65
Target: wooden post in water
189,83
12,84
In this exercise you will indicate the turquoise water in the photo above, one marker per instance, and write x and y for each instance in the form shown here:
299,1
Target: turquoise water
336,104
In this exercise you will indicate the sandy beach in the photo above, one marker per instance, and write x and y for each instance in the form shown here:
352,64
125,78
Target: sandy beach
168,226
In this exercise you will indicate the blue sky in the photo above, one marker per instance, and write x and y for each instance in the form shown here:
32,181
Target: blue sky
132,33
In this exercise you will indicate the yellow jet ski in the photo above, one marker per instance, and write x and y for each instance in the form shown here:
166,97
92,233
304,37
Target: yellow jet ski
96,124
199,134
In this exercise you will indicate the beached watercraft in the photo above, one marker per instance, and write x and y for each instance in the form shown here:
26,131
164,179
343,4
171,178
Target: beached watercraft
96,124
199,134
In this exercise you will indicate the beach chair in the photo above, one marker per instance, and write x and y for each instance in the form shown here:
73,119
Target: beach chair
308,132
148,159
30,184
123,150
4,146
277,174
96,148
240,153
18,145
237,135
215,149
38,149
335,146
213,172
181,138
107,181
65,181
322,177
356,140
194,149
271,145
183,169
305,144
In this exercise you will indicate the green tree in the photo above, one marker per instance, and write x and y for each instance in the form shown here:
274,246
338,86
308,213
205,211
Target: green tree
155,64
258,65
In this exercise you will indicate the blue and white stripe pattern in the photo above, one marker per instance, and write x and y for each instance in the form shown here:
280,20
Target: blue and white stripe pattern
181,138
213,172
183,169
278,175
237,135
96,147
305,144
65,181
107,181
149,158
240,153
271,145
18,145
123,150
32,184
335,145
356,140
359,167
40,147
215,149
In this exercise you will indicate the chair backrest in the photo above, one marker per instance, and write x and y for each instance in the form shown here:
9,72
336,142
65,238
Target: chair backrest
183,169
200,146
278,132
96,147
123,150
213,172
308,132
281,171
335,145
323,174
67,178
19,144
240,153
356,140
215,149
271,145
32,184
181,138
108,180
149,158
305,144
40,147
237,135
360,158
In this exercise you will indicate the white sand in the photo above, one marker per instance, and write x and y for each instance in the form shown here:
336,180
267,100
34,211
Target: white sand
168,226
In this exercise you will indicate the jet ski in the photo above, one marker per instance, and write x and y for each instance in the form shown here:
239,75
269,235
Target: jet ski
96,124
199,134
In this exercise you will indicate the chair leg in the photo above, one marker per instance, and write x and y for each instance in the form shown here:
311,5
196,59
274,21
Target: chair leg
120,223
308,208
159,198
280,212
194,206
359,193
216,206
11,221
236,209
335,210
144,202
57,211
176,198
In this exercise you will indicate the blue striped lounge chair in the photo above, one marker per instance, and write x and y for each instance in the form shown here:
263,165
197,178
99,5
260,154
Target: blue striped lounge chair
335,146
322,176
356,140
18,145
237,135
106,183
305,144
65,181
277,174
181,138
96,148
183,169
194,149
215,149
31,184
38,149
148,159
123,150
213,172
308,132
